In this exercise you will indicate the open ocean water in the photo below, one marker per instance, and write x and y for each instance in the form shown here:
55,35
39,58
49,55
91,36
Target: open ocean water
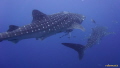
50,53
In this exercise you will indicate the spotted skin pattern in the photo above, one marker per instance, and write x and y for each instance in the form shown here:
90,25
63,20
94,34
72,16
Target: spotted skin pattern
97,34
43,26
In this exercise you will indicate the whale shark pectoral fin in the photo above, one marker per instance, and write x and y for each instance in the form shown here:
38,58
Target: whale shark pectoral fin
12,27
77,47
77,26
38,16
81,27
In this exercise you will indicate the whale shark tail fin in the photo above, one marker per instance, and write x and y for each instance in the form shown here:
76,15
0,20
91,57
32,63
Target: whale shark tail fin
77,47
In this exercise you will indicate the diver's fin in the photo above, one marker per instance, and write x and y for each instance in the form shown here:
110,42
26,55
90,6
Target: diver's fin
12,27
37,16
77,47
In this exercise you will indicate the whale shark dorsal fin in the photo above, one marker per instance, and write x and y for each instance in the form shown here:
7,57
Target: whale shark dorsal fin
37,15
12,27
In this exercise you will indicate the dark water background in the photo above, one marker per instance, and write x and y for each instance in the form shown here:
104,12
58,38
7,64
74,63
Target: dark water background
49,53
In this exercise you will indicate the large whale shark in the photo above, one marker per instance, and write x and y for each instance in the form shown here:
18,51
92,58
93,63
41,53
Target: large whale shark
43,26
97,34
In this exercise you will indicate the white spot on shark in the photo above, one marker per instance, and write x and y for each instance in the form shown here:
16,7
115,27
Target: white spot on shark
7,34
37,26
1,35
21,33
32,31
38,29
20,30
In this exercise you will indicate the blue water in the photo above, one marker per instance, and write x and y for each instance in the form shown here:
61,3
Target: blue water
49,53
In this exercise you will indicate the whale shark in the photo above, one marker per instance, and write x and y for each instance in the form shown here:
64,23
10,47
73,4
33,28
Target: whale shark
43,26
97,34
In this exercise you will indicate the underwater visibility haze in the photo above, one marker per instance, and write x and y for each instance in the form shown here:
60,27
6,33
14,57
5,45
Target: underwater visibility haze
59,33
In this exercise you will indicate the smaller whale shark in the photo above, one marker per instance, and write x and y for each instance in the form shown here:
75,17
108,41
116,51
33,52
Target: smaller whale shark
97,34
43,26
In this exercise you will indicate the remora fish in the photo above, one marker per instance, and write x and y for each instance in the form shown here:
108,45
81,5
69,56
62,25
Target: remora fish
97,34
93,21
43,26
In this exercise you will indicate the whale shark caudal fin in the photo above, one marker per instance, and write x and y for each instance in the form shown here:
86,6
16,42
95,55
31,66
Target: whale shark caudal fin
77,47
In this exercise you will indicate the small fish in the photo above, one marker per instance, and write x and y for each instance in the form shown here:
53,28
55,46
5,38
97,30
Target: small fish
67,32
115,21
93,21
